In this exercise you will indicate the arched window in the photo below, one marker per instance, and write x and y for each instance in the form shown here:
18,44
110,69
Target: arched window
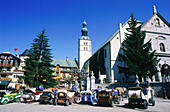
157,22
162,47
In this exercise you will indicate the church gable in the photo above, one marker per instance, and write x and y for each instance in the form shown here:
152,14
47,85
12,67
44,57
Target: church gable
157,24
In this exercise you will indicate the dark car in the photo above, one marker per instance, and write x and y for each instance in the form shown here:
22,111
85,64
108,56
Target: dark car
105,98
48,97
66,97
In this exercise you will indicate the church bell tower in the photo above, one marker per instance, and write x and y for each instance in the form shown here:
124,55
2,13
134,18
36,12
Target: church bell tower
84,46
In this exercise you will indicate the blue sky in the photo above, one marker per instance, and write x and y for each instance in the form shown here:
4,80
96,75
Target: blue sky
22,20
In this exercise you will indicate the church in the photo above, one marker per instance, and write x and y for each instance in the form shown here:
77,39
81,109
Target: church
105,60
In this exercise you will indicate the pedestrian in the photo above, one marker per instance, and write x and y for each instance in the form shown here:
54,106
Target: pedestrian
41,87
113,94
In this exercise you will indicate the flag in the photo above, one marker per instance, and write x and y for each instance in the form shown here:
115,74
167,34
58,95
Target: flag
16,49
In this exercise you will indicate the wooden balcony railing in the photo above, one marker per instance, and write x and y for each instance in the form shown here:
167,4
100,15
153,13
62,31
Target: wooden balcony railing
6,65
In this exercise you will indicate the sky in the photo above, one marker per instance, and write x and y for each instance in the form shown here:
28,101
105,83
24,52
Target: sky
22,20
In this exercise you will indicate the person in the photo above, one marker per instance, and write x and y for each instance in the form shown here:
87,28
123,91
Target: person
74,88
41,87
146,90
55,97
113,92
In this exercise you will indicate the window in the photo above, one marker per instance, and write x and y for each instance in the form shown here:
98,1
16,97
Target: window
157,22
105,53
162,47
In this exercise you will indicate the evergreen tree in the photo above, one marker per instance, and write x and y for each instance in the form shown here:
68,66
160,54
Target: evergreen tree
137,55
38,63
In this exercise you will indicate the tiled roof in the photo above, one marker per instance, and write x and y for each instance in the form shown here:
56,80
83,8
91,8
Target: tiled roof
64,63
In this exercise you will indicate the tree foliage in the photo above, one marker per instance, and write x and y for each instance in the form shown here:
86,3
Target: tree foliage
137,53
38,63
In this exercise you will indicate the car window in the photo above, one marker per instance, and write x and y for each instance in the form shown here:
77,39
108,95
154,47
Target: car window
61,94
46,93
2,94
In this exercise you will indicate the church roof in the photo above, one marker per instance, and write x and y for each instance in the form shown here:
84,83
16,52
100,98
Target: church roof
64,63
112,36
160,16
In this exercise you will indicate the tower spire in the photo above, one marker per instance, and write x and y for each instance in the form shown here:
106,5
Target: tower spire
84,30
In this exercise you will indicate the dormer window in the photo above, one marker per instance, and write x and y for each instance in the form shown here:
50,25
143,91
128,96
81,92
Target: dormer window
162,47
157,22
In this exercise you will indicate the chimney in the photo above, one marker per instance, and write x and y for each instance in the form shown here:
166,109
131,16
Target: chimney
67,59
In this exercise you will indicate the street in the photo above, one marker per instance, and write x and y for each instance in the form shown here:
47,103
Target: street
162,105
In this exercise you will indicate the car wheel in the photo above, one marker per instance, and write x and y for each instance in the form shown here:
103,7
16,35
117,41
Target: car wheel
5,102
153,102
51,101
67,103
30,99
75,100
92,102
17,100
145,105
55,102
112,103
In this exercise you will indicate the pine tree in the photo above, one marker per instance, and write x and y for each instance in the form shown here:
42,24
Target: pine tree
38,63
137,54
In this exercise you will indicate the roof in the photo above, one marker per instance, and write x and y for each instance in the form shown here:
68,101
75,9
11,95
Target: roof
24,53
161,17
8,53
64,63
112,36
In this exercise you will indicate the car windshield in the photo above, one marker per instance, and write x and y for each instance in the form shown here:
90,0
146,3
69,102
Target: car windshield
103,94
46,93
2,94
86,94
61,94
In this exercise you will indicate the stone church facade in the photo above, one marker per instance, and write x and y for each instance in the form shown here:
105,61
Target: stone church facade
105,60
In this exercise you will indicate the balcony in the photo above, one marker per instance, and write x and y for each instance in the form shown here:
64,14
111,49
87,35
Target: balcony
6,65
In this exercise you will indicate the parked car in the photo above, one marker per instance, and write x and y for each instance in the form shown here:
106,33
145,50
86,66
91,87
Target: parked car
105,98
48,96
139,98
9,96
30,95
66,97
87,97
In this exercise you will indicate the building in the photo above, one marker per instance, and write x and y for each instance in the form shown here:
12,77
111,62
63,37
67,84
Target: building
9,70
64,70
84,46
105,60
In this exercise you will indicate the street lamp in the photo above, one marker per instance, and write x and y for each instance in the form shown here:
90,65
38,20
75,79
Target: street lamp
136,81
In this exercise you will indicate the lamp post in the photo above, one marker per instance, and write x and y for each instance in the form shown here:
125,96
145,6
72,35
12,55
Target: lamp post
165,67
136,81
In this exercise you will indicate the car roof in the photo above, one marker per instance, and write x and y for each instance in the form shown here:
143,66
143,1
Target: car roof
134,88
88,91
62,90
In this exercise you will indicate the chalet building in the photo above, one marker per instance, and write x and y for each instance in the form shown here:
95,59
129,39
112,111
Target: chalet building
105,60
64,70
9,64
